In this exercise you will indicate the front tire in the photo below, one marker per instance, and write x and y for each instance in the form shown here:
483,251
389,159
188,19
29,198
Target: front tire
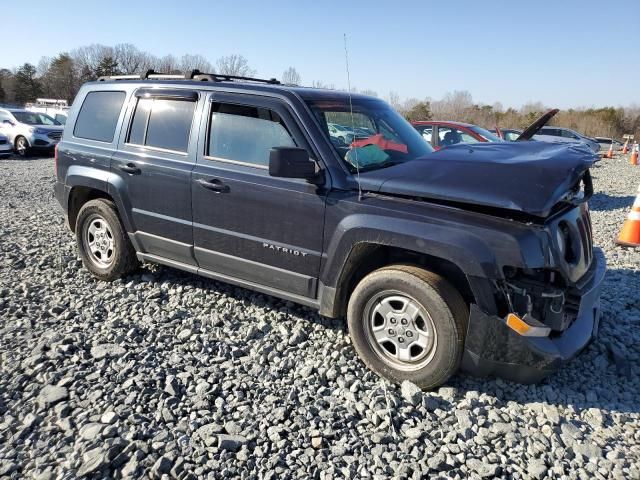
407,323
22,147
102,241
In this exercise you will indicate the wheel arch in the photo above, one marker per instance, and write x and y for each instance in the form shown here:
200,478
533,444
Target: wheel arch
365,258
78,196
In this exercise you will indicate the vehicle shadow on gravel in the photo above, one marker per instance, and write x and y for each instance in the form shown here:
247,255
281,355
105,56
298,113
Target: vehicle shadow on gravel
177,278
604,202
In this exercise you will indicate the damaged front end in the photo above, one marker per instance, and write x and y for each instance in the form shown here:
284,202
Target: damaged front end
541,317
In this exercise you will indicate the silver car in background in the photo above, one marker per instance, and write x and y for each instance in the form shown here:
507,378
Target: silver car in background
27,131
567,135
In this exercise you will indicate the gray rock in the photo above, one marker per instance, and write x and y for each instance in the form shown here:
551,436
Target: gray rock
464,418
109,417
161,466
93,461
437,461
537,469
106,350
587,450
230,442
482,468
413,433
30,420
411,392
91,431
172,386
52,394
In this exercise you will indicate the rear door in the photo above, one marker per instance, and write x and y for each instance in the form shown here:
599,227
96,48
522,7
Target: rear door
248,225
152,170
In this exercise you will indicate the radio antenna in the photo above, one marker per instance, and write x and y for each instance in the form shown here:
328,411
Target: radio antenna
353,125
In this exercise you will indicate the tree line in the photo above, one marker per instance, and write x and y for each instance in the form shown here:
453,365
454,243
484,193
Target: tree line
608,121
60,77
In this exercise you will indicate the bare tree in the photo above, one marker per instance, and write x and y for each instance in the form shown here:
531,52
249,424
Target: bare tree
167,64
394,99
88,58
409,104
321,84
195,62
43,66
371,93
291,77
234,65
131,60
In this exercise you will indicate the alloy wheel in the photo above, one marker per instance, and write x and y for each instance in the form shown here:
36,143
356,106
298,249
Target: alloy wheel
400,330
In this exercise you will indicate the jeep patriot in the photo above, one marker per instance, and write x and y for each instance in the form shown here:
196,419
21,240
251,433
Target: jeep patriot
478,257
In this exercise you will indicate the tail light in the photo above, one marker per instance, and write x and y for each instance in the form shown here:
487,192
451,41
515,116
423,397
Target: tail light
55,160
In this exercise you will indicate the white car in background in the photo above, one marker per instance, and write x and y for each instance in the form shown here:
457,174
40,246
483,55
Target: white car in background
6,149
27,131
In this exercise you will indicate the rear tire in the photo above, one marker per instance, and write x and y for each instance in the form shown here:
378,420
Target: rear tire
102,241
22,147
407,323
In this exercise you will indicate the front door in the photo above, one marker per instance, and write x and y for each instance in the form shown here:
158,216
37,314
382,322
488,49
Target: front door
248,225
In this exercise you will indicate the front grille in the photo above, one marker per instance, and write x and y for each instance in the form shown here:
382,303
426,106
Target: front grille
54,135
584,228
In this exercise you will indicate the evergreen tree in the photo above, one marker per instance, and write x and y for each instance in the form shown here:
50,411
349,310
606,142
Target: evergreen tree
108,66
27,87
420,111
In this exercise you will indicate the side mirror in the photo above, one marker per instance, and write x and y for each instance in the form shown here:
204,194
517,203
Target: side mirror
291,162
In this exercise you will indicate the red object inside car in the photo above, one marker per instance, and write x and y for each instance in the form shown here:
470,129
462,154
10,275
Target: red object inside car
381,142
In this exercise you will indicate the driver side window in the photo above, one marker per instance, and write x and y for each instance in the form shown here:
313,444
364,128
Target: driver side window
246,134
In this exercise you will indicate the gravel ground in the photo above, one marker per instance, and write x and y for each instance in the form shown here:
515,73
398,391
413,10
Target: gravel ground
168,375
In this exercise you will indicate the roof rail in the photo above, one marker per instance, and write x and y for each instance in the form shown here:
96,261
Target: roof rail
118,77
221,77
194,75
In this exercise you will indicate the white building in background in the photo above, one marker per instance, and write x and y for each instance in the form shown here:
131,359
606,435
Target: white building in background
56,109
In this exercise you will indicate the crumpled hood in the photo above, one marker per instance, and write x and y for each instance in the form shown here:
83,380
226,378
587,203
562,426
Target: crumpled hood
529,177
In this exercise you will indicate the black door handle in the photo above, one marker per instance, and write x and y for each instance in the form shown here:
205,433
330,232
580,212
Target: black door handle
214,185
130,168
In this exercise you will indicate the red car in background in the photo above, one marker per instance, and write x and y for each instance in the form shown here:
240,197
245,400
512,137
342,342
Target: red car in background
441,134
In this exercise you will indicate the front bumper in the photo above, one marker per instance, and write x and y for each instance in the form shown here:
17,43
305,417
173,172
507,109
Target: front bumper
37,140
492,348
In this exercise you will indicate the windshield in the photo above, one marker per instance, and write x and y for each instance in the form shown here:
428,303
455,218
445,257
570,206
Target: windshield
33,118
486,134
374,136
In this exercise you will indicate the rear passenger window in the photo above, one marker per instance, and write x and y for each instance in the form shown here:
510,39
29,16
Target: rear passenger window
162,123
246,134
99,115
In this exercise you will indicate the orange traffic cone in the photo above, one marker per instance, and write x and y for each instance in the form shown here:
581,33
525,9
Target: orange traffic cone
634,155
624,149
610,152
630,233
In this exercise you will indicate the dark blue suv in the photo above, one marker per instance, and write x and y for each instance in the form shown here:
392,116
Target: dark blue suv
479,256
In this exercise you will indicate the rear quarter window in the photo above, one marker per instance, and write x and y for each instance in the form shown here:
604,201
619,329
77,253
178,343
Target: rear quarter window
99,115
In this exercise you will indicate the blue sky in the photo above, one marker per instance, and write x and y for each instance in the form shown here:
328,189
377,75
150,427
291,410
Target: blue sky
563,53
